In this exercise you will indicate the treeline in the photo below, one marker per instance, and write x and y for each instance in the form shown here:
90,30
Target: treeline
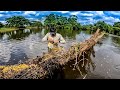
20,22
111,29
61,22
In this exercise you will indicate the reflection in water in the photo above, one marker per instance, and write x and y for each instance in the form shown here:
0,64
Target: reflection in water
4,52
82,68
19,34
71,34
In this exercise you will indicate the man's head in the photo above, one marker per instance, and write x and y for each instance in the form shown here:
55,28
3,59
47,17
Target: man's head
53,31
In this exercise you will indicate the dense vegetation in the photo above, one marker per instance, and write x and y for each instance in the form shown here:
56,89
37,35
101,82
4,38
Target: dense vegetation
60,22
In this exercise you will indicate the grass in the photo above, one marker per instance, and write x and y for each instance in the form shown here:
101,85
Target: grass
7,29
4,29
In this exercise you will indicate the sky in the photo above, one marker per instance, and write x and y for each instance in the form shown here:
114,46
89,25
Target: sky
84,17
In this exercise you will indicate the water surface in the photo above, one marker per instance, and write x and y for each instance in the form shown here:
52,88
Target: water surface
17,46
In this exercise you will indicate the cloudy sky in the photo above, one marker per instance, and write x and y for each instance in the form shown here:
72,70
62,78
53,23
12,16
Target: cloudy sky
84,17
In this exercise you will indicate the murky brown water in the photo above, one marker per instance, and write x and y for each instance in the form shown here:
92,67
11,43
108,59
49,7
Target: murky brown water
20,45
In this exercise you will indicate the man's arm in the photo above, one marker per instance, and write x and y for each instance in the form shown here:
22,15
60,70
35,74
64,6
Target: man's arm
45,37
62,40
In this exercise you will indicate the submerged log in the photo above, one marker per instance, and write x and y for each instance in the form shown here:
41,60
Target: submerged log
44,66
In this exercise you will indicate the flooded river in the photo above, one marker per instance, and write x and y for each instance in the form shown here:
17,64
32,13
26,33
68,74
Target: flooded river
21,45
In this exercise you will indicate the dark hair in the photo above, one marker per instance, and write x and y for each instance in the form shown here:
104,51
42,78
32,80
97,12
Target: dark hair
52,29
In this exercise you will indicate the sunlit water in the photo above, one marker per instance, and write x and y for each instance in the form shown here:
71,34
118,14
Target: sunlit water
26,44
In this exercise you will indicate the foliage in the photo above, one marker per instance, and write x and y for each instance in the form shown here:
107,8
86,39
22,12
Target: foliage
62,22
17,21
1,25
36,24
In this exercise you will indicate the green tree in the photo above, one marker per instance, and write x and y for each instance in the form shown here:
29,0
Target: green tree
102,26
110,29
1,24
62,22
116,31
50,20
116,24
73,21
37,24
17,21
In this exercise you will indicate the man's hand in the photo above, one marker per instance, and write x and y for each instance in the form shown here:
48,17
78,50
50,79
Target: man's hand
50,39
56,41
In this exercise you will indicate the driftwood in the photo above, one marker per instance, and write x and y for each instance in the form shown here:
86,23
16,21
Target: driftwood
44,66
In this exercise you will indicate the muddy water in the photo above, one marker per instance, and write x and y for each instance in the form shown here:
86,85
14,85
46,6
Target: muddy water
17,46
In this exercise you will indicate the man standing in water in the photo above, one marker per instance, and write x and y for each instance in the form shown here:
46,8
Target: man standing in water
53,39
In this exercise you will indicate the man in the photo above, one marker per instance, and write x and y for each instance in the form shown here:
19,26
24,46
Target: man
53,39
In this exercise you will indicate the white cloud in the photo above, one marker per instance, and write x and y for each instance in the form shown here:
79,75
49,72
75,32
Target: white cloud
29,12
114,12
63,11
86,14
37,14
111,19
16,11
1,15
99,13
30,18
4,11
75,13
4,22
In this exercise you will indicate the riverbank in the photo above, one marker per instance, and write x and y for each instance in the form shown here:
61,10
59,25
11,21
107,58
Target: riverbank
7,29
33,27
2,30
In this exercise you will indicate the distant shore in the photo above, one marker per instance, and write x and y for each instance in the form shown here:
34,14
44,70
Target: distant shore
7,29
4,29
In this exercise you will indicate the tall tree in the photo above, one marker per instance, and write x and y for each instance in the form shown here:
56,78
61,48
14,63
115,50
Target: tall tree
116,24
36,24
50,20
72,20
17,21
102,25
